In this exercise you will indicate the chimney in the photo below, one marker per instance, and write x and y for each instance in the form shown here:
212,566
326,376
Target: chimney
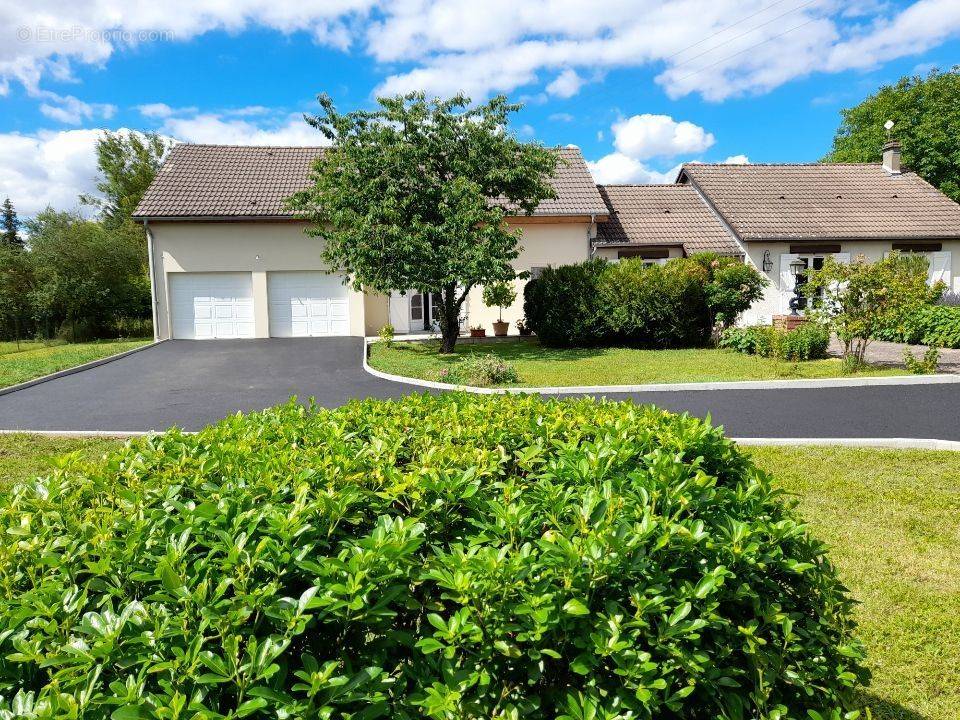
891,157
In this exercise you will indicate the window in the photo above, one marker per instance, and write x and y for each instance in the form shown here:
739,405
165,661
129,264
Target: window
811,262
416,307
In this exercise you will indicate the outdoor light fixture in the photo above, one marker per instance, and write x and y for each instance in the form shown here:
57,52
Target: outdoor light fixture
797,268
767,263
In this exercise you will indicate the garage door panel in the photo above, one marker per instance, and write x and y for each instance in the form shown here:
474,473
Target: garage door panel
206,306
307,304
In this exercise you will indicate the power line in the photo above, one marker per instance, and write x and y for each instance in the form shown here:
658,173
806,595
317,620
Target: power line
727,27
743,34
751,47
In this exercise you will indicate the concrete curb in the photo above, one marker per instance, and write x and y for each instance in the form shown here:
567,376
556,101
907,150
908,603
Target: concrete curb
876,443
939,379
76,369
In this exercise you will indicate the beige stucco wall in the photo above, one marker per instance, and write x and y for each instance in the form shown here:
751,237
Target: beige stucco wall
771,304
611,253
256,247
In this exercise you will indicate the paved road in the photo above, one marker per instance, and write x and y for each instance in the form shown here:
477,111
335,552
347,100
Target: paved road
190,384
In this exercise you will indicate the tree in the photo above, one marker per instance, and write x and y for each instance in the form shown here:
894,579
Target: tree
499,295
731,288
414,195
10,226
16,286
128,162
859,299
926,116
86,275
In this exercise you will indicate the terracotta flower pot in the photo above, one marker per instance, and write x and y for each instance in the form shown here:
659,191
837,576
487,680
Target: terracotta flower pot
500,328
478,332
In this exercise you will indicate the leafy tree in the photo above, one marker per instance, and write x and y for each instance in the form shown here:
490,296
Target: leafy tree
731,288
128,162
10,226
87,275
926,113
499,295
16,286
857,300
414,195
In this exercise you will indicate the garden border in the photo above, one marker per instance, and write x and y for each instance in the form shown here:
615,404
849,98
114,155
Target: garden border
77,368
937,379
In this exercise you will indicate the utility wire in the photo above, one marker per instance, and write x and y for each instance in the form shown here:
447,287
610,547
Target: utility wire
725,28
745,33
746,49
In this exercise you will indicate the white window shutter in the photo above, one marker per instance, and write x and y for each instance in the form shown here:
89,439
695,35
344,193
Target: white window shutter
787,281
842,258
940,269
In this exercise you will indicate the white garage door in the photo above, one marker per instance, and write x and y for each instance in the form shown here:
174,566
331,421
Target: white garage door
307,304
207,306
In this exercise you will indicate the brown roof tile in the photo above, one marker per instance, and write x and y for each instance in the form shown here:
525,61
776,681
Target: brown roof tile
662,215
226,181
820,201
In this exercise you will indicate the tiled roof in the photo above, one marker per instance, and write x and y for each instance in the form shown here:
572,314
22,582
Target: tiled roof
821,201
662,215
225,181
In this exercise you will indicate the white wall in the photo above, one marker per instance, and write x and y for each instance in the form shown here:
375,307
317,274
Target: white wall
256,247
764,309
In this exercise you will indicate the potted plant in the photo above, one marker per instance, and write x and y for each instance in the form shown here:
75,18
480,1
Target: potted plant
524,329
499,295
477,331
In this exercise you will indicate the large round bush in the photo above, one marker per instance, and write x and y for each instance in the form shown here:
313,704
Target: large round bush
563,306
444,557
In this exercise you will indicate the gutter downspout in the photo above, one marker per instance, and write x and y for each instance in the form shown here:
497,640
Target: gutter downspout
591,234
154,301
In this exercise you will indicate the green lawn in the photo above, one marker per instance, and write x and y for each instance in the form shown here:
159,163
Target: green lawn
889,516
540,366
36,359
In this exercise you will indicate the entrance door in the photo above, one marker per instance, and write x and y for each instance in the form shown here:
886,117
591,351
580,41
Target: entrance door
425,312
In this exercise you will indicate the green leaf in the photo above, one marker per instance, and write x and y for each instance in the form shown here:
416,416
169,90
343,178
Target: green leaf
575,607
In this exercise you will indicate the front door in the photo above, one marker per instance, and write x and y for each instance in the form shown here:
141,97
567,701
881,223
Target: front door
424,312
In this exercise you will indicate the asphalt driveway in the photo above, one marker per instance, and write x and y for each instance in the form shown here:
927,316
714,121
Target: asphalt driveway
193,383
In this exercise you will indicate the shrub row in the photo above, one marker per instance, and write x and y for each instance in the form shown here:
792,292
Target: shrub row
807,342
930,325
670,305
443,557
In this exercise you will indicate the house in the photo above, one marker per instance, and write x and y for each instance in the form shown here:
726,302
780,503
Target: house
227,260
772,215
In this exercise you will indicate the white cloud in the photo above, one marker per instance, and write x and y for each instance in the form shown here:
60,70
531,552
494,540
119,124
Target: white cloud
561,117
646,136
217,128
737,160
619,168
47,168
156,110
72,111
567,84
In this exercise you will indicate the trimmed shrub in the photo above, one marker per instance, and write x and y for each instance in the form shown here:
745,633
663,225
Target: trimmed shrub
563,305
444,557
929,325
656,306
481,371
807,342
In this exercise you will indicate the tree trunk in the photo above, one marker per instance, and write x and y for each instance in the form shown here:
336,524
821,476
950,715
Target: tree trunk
449,318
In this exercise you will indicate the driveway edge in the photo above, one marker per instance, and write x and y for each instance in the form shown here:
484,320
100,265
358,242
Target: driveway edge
78,368
938,379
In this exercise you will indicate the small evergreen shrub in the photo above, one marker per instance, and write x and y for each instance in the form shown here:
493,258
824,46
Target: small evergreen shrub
480,371
807,342
386,335
445,557
658,306
563,306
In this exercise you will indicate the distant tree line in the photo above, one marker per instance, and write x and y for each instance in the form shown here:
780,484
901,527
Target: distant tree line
63,275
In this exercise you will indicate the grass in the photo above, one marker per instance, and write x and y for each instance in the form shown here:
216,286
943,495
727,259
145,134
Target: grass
35,359
24,456
540,366
890,517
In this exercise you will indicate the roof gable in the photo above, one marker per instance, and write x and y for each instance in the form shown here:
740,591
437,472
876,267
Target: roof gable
825,201
237,181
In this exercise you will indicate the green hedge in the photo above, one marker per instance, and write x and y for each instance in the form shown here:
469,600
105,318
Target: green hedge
563,306
931,325
807,342
443,557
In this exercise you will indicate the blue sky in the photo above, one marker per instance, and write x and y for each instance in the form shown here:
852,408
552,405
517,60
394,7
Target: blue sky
639,85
